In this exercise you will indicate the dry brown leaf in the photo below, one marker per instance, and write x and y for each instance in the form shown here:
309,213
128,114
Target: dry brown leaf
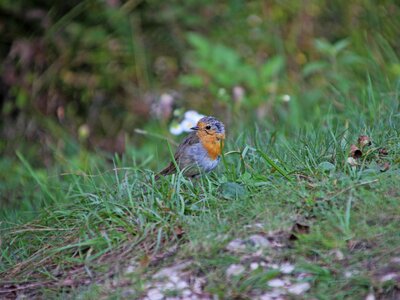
385,167
364,140
179,231
383,151
355,152
144,260
297,229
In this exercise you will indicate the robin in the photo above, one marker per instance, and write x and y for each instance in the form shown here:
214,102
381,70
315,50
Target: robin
200,151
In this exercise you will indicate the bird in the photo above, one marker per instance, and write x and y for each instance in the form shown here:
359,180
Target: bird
200,152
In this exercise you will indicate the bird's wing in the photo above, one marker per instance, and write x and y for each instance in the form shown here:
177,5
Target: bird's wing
180,156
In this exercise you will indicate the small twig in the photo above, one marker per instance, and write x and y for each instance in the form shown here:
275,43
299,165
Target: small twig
350,187
23,287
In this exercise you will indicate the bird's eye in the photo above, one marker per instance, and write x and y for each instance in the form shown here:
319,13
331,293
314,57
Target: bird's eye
208,127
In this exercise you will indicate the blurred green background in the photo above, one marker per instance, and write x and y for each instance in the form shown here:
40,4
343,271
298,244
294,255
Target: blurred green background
79,77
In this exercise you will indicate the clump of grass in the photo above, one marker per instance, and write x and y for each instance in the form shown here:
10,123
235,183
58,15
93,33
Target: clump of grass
91,225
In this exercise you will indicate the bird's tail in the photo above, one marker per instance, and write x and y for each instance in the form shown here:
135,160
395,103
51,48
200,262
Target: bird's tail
167,171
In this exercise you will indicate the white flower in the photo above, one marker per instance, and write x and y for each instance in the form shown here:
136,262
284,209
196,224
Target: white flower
221,92
193,116
238,93
186,124
286,98
176,129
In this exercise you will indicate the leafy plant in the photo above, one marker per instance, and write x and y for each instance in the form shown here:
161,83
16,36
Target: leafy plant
221,68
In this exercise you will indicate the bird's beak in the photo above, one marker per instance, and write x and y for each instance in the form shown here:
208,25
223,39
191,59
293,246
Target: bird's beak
195,128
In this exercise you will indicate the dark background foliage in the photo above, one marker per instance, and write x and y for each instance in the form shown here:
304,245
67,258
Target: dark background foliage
91,71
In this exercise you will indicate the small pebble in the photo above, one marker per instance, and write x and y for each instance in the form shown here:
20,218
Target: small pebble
186,293
274,266
396,260
274,294
388,277
174,278
128,293
198,285
234,270
254,266
299,288
172,270
259,241
130,269
154,294
236,245
276,282
287,281
169,286
370,296
181,285
348,274
338,254
286,268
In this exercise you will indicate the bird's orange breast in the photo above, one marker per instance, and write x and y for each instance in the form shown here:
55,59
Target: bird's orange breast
213,144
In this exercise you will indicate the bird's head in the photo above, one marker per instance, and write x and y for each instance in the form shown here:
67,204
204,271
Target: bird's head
210,126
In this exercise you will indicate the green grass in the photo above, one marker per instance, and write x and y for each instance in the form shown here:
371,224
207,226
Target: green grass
88,226
93,225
